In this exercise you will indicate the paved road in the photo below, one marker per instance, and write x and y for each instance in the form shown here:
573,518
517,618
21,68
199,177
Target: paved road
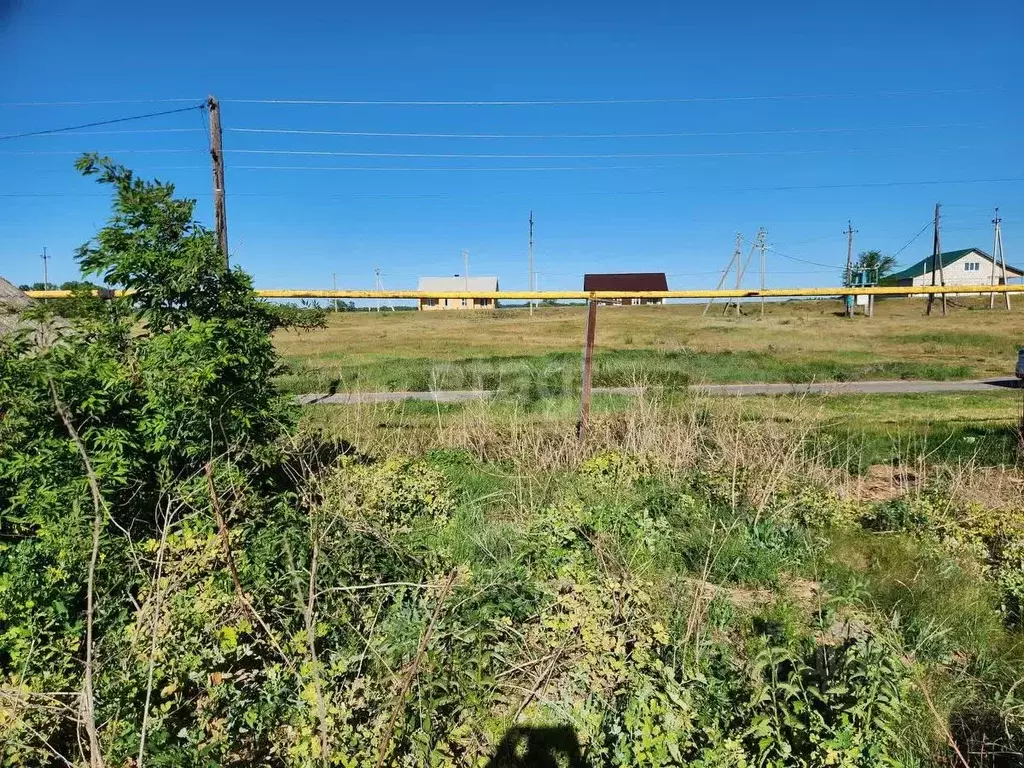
723,390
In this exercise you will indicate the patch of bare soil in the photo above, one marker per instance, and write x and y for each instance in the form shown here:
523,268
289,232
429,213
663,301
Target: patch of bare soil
884,482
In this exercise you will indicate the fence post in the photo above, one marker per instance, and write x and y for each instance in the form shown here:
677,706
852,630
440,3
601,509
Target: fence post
588,370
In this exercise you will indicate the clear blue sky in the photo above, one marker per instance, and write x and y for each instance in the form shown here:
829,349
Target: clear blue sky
798,166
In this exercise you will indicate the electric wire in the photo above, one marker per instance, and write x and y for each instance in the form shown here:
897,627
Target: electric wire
656,135
605,101
101,122
570,156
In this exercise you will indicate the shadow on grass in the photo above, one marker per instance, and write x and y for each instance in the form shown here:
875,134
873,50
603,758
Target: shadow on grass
550,747
856,449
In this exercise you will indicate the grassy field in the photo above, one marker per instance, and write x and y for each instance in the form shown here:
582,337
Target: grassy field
852,432
669,346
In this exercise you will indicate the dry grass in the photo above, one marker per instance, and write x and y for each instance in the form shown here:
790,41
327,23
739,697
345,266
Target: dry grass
801,331
867,448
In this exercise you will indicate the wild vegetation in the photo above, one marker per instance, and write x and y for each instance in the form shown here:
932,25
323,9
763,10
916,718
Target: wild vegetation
189,576
669,345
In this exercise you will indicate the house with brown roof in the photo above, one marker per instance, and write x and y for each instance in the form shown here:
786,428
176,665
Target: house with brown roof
627,281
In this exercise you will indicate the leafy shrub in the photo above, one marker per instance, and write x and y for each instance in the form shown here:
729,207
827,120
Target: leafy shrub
388,496
616,467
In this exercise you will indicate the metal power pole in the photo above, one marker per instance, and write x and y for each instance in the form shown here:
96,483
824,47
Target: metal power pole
741,270
532,284
849,266
376,284
937,263
46,269
1000,257
220,216
763,237
736,255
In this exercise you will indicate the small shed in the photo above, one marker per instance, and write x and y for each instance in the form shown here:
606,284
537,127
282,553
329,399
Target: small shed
627,281
457,284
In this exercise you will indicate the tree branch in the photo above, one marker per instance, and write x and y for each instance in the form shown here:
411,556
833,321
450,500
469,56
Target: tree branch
225,540
99,513
414,668
157,597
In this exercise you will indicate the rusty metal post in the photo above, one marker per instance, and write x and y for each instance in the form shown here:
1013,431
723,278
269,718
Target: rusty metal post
588,370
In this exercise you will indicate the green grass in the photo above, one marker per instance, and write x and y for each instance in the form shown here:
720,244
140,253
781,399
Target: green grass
671,345
556,373
773,584
856,447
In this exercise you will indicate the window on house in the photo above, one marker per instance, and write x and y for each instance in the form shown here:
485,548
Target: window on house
479,302
430,302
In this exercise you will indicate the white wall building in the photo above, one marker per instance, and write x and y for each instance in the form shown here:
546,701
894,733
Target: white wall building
458,284
968,267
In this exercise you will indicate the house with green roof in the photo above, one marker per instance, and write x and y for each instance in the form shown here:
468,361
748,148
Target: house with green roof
967,267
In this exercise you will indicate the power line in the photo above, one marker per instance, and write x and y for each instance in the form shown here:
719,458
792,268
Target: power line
575,193
682,134
803,261
911,240
101,122
816,239
127,131
485,169
94,103
585,102
105,151
572,156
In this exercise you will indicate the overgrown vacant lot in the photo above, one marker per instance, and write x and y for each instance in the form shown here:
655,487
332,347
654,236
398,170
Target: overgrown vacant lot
669,345
194,573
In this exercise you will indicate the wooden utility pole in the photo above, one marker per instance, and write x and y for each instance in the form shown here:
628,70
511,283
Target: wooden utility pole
220,216
849,267
1000,257
588,370
334,285
532,283
46,269
937,263
736,254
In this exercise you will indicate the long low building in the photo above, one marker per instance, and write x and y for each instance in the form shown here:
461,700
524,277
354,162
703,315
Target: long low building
456,283
967,267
